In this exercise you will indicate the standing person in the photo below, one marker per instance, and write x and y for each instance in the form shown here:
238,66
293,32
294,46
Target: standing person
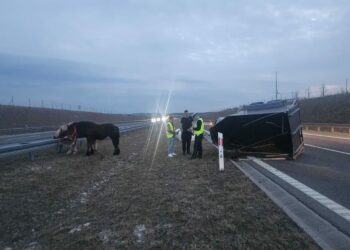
170,134
198,131
186,135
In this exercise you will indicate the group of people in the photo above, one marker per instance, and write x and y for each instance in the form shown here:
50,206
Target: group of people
190,125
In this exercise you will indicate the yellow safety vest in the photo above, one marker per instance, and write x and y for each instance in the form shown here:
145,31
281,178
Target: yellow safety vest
169,126
201,130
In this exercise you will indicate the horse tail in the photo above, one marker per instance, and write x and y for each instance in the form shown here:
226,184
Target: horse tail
115,140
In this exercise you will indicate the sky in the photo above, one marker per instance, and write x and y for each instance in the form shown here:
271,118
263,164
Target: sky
154,56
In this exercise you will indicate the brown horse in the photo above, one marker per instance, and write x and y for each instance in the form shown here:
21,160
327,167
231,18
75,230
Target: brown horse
92,132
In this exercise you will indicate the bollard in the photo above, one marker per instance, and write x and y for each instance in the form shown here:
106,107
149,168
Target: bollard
221,151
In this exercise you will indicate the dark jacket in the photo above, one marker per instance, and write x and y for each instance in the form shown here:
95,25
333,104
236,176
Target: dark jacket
186,123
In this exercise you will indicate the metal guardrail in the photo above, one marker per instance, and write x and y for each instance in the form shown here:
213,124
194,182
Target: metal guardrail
327,128
18,144
9,131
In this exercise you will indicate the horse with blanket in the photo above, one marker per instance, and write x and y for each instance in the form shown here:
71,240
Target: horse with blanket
92,132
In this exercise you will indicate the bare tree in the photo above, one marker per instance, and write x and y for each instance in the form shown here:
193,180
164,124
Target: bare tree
346,86
296,95
12,102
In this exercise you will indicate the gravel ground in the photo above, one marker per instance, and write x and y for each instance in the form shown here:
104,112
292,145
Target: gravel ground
138,200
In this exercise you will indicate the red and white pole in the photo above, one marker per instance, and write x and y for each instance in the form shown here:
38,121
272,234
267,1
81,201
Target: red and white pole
221,151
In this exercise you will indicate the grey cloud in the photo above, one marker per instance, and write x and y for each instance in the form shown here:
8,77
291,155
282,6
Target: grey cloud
140,48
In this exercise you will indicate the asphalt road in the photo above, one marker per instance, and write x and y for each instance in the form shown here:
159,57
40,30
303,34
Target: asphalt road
324,167
10,144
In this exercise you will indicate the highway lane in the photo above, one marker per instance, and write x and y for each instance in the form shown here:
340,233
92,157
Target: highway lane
324,166
19,138
330,142
5,140
17,143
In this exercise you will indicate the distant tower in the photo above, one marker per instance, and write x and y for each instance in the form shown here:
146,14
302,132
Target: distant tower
276,89
323,89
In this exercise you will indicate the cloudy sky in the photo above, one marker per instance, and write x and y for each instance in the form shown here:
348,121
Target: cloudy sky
130,56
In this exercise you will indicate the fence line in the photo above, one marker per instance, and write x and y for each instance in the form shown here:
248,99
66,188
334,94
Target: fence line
330,129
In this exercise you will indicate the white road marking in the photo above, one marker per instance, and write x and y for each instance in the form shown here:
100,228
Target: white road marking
235,163
328,136
335,207
328,149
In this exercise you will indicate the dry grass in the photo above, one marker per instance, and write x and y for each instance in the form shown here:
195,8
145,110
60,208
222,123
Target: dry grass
328,109
126,202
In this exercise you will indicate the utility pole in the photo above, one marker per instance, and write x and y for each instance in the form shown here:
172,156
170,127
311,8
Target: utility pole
346,86
276,89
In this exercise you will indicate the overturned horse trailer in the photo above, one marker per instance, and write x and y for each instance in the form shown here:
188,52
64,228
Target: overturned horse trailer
271,129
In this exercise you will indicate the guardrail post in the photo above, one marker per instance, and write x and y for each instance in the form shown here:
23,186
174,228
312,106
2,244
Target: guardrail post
31,156
59,147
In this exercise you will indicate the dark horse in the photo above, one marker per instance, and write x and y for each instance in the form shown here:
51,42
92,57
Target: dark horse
92,132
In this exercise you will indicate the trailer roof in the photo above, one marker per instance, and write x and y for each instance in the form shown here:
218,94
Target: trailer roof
276,106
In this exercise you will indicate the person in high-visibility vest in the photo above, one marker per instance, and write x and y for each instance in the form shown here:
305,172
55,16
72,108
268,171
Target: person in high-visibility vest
170,134
198,131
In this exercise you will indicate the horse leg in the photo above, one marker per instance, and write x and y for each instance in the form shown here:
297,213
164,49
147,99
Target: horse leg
94,145
75,147
70,150
115,140
89,147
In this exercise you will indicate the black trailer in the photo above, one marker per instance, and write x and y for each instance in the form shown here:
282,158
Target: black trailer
271,129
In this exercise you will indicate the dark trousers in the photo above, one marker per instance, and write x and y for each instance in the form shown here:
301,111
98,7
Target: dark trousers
197,149
186,142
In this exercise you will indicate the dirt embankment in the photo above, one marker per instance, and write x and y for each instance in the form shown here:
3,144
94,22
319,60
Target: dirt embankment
21,117
140,199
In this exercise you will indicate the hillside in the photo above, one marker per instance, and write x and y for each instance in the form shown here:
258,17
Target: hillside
328,109
212,116
20,117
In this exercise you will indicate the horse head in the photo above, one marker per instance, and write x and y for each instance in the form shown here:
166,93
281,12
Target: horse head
63,131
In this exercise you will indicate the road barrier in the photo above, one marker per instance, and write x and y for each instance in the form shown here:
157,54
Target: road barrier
32,142
342,130
10,131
